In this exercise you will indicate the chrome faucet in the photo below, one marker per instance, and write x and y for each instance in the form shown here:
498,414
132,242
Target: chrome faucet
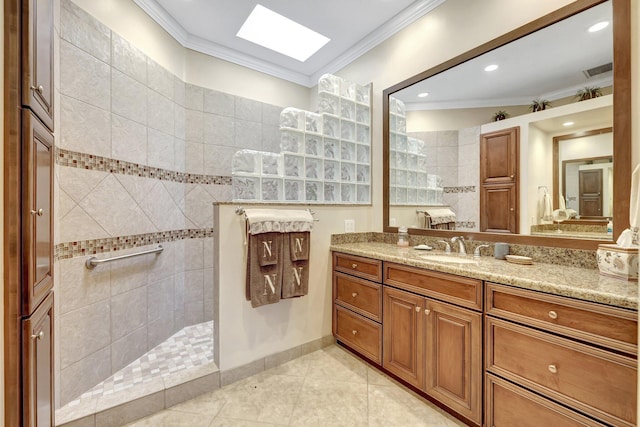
476,252
462,249
447,246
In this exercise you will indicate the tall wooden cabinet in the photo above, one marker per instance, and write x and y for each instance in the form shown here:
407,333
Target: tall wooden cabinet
499,196
29,151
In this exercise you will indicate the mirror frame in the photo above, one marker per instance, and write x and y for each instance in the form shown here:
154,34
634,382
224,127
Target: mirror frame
621,124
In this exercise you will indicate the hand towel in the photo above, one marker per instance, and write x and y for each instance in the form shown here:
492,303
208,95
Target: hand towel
547,210
295,264
561,203
264,269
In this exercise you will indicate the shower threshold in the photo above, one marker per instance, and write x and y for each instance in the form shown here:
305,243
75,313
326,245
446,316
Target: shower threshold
179,368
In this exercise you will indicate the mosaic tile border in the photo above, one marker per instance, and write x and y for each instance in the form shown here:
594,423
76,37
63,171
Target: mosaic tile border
465,224
463,189
80,160
69,250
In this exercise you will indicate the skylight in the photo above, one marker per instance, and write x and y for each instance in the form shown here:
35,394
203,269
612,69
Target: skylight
276,32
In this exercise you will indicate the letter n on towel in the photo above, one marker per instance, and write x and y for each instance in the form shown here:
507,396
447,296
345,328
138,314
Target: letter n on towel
264,268
295,264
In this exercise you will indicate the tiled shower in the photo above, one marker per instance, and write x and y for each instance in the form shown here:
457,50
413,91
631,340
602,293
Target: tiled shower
141,158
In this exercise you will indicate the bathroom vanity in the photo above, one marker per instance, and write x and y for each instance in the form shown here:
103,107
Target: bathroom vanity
559,343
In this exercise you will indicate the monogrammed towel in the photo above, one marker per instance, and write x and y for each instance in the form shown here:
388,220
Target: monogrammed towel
295,264
264,268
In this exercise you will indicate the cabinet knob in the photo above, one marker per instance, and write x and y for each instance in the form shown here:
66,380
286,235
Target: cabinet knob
354,265
512,176
355,294
553,314
427,311
552,369
511,209
38,89
38,336
417,309
354,332
39,212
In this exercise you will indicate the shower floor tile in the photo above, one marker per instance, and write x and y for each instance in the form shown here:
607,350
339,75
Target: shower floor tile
189,348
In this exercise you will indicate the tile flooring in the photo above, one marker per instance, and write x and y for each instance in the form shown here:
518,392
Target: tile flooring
329,387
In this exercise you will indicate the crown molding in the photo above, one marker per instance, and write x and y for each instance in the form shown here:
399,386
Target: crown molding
182,36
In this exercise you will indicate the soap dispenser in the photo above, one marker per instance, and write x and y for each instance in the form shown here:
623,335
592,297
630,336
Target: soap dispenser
610,227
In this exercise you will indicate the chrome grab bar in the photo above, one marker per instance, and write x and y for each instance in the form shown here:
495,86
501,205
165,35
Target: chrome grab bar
93,261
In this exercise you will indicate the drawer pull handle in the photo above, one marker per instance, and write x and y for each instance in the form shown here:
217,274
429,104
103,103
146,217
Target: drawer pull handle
354,332
427,311
354,265
39,212
417,309
355,294
553,314
38,336
553,369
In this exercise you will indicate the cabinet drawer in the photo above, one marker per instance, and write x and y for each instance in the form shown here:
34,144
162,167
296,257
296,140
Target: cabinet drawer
508,405
594,381
358,332
456,289
370,269
610,327
358,295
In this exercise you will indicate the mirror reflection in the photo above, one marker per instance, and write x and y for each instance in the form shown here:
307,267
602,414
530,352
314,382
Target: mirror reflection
482,148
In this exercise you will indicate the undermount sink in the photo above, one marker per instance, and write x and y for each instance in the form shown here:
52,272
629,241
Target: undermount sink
452,259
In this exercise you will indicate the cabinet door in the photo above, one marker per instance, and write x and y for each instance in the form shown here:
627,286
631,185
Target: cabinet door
499,209
499,156
453,360
37,339
38,212
37,58
403,335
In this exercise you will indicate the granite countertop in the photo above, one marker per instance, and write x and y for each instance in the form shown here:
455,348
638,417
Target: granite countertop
580,283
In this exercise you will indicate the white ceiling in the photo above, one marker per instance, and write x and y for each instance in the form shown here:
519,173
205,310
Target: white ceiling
354,27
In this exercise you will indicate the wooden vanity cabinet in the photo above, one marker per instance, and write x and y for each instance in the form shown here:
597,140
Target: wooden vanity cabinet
432,344
576,358
357,304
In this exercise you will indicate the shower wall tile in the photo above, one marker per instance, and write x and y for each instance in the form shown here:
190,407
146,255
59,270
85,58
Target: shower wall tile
84,127
64,203
193,313
128,140
271,115
128,97
208,299
159,295
194,126
84,332
160,149
193,286
248,134
128,348
194,157
79,287
208,261
84,31
194,254
178,91
160,208
199,207
128,59
179,121
132,273
248,109
219,103
78,225
218,129
84,77
160,329
218,159
81,376
78,183
194,97
179,160
160,112
128,312
271,137
160,79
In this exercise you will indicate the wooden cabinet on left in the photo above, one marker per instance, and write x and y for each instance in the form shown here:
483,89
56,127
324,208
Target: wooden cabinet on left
37,353
37,216
37,59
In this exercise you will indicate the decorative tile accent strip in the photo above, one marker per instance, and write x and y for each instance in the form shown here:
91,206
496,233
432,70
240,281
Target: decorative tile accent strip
89,161
465,224
97,246
463,189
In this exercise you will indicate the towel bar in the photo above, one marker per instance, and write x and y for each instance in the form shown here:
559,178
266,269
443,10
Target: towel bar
93,261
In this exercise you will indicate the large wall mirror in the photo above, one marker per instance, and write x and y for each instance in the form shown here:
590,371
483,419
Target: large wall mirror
499,135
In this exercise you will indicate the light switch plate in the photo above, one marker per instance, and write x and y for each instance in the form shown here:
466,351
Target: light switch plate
349,226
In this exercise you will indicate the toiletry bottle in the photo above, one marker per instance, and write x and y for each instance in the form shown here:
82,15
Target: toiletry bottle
403,236
610,227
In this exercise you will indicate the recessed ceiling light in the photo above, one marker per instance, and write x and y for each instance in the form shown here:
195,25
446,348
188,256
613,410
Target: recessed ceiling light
567,124
423,94
276,32
599,26
491,67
